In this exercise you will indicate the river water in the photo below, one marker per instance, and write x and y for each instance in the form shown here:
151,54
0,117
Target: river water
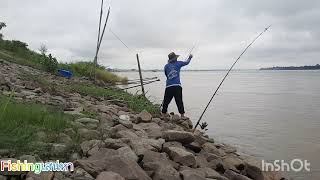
273,115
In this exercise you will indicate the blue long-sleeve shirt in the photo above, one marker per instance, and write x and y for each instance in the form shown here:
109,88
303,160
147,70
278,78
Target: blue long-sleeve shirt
172,71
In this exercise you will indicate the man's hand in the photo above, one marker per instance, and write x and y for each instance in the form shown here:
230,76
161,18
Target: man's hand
190,56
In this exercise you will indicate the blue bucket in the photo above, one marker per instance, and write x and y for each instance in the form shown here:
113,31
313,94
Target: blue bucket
65,73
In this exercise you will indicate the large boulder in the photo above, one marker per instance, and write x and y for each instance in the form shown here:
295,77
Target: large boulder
114,143
144,116
152,129
86,146
128,153
159,166
234,175
87,121
180,136
126,134
233,162
108,175
110,160
181,156
253,168
211,148
210,173
192,174
141,145
86,134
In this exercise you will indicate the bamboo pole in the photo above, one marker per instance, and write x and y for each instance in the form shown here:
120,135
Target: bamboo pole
99,44
140,74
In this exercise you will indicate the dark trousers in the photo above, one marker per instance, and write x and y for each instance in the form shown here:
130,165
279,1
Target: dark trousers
176,92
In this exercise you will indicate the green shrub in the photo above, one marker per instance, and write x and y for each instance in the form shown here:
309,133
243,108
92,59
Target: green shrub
50,63
85,69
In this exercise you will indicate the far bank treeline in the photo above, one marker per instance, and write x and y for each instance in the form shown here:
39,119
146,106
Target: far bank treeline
18,52
315,67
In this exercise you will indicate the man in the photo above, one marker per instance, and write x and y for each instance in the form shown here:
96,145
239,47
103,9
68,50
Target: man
173,84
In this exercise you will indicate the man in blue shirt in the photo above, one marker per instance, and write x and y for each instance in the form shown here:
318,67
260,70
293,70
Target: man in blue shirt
173,84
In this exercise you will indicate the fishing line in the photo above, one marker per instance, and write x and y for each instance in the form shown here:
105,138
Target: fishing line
214,94
120,40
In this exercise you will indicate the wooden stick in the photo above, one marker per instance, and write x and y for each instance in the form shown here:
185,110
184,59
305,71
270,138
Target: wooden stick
140,74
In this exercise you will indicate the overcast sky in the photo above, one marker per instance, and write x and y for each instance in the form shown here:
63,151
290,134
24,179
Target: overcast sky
220,29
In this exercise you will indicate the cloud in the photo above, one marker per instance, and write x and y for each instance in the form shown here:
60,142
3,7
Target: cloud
220,28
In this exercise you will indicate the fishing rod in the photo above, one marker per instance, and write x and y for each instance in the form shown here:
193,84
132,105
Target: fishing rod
140,84
214,94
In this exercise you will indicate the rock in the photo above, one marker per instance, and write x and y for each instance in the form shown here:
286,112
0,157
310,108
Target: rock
75,111
29,158
191,174
74,156
126,123
144,116
64,139
202,161
217,165
253,168
128,153
87,121
110,160
140,145
156,120
114,143
163,158
160,166
70,132
228,149
181,156
152,129
180,136
4,152
81,174
41,176
210,173
126,134
234,163
120,127
124,117
199,138
175,118
211,148
41,136
108,175
86,146
29,85
194,146
171,144
58,149
86,134
235,176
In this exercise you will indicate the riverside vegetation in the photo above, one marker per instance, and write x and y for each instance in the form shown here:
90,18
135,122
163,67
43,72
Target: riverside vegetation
108,133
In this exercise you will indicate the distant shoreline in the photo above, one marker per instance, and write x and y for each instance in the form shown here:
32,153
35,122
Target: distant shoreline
316,67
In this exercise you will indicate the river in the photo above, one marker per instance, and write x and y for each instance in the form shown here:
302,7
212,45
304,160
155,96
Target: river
273,115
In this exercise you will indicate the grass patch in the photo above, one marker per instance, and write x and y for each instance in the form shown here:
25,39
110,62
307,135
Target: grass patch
85,69
135,102
19,123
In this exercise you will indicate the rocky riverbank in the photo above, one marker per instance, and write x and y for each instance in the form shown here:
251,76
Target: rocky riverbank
118,143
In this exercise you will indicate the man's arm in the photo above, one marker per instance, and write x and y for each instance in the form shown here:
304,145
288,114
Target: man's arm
184,63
